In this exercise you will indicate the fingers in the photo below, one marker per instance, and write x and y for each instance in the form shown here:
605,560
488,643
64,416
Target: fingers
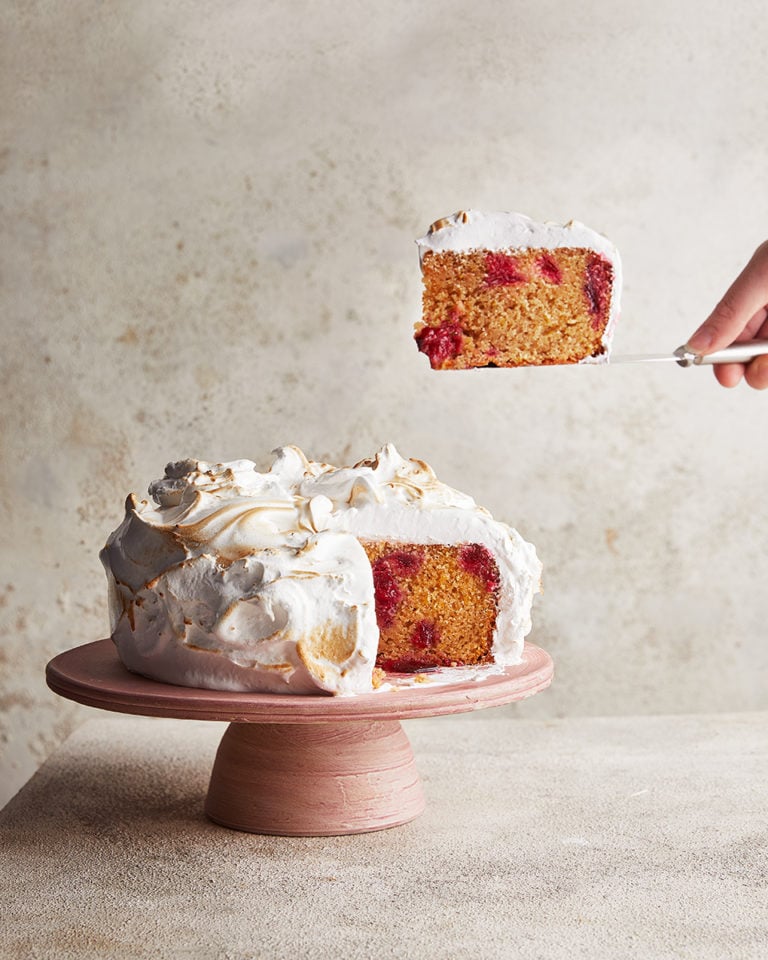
728,374
760,321
756,373
743,300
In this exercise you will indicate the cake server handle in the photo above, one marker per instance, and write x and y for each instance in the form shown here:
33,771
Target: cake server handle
741,352
737,353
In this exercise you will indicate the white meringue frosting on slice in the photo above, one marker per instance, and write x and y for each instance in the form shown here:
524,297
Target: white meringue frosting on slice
246,581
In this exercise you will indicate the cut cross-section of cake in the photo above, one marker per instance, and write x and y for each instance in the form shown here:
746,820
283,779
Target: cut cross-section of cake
308,577
436,605
500,290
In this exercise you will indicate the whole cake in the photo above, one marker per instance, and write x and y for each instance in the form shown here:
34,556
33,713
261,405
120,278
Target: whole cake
313,578
500,290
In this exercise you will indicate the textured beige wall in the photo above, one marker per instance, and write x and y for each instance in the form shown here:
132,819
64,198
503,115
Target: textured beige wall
208,223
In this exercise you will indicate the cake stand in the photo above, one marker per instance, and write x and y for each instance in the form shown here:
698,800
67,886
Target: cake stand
300,765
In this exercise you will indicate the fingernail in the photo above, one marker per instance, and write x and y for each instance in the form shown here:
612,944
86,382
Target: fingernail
700,342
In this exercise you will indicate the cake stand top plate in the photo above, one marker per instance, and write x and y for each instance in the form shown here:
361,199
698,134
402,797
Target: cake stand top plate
93,674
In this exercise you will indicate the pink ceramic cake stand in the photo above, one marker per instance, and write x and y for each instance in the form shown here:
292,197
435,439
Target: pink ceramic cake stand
299,765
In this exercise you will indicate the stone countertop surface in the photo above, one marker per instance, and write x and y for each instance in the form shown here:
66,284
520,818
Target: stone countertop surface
579,838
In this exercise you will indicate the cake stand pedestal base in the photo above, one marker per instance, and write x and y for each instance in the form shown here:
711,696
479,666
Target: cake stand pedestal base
314,780
302,766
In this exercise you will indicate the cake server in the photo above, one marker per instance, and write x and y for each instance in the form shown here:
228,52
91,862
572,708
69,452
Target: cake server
737,353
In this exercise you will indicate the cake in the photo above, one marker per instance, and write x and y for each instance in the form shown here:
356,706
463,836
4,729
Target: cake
312,578
500,290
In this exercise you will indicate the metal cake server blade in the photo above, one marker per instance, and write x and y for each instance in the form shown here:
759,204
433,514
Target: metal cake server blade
737,353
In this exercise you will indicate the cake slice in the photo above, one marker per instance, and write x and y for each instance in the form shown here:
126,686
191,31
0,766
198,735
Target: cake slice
500,290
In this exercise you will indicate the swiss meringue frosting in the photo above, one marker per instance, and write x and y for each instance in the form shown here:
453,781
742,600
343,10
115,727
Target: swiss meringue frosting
232,579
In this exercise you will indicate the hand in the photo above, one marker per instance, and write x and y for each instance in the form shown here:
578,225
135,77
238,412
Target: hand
742,314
